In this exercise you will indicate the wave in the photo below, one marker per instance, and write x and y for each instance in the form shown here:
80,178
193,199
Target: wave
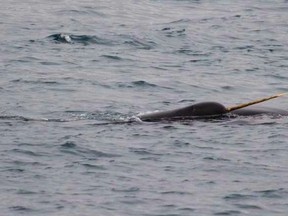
130,40
70,147
70,116
79,39
139,83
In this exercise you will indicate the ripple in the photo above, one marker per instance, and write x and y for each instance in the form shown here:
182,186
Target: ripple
273,193
68,144
93,166
248,48
228,212
129,40
21,208
180,143
215,158
276,76
26,192
135,84
239,197
38,81
126,190
176,192
245,206
173,32
144,152
180,21
70,147
80,39
78,12
13,170
28,152
112,57
111,117
21,118
138,43
187,209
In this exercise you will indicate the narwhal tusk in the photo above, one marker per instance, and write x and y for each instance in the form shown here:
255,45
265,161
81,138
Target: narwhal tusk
236,107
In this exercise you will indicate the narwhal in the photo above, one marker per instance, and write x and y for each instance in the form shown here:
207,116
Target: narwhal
214,109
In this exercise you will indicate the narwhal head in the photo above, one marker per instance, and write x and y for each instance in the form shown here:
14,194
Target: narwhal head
206,109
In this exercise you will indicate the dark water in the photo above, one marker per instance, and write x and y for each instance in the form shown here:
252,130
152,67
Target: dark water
71,69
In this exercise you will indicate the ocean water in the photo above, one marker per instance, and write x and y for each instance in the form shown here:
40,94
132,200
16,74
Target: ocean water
74,73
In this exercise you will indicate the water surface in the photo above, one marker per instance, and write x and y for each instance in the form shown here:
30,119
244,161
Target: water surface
71,71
